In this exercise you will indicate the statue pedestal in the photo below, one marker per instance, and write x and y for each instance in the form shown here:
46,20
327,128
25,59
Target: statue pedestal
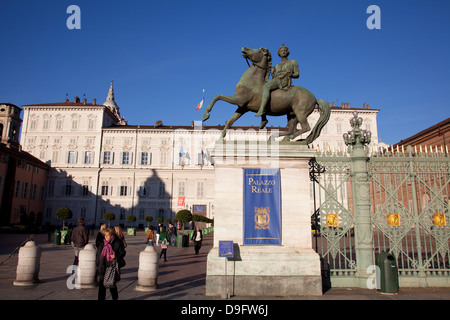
290,269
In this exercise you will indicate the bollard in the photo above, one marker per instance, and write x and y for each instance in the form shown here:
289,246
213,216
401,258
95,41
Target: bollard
28,265
148,270
86,267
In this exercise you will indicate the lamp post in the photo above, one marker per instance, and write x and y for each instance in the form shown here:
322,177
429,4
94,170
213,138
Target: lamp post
357,139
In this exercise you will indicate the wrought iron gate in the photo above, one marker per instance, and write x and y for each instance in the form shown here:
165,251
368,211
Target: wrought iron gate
409,194
333,222
410,202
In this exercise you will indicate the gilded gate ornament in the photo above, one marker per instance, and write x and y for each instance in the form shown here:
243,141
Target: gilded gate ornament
393,220
439,220
332,220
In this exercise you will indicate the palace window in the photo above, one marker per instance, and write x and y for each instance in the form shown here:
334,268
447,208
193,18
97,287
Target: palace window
68,188
123,189
105,188
72,157
146,158
89,157
126,157
199,188
108,157
181,188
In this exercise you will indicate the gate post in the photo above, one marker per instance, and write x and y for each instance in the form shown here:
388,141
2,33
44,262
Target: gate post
357,139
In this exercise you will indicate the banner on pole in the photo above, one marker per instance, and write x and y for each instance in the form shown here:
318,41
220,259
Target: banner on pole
262,208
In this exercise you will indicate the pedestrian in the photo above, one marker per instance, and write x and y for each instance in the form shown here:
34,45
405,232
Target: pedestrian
120,234
110,249
163,241
197,237
172,234
158,232
100,235
79,238
150,236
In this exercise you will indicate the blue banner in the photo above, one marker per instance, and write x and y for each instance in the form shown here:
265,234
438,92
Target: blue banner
262,208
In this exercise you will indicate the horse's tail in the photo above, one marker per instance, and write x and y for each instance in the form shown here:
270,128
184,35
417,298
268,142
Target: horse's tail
323,119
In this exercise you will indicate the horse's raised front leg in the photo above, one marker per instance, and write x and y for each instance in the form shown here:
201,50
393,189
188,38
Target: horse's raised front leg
230,99
237,114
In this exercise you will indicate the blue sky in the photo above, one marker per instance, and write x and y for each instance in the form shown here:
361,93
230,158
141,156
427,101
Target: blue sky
162,54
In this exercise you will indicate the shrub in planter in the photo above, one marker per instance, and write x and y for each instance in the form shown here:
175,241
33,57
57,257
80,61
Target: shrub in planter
184,216
131,231
63,214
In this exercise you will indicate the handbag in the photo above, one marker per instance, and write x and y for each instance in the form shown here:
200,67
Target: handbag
164,244
112,275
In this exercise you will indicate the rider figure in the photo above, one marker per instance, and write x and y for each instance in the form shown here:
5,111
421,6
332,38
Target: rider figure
282,76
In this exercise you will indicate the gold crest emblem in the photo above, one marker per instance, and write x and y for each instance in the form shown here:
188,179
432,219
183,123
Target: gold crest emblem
262,218
393,220
439,220
332,220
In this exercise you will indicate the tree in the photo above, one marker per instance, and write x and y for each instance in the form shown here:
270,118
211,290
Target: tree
148,219
64,214
109,216
184,216
131,218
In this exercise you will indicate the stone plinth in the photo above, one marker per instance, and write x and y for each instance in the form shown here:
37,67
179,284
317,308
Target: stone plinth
293,268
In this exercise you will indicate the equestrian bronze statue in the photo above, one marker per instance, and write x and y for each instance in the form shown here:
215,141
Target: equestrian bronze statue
295,102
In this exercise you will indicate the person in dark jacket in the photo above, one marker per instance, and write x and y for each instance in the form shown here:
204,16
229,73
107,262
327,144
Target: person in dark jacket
79,238
100,235
197,237
108,250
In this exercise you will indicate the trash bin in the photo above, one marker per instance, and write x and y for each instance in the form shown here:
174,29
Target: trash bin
388,273
57,237
186,238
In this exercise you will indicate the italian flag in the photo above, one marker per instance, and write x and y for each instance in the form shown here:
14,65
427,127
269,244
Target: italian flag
200,105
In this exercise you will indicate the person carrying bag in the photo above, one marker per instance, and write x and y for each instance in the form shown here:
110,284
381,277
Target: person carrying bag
109,260
163,241
150,237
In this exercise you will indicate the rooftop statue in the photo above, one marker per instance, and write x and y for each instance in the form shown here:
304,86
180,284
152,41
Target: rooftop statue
254,92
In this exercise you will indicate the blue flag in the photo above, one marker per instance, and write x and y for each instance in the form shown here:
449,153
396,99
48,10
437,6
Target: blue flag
262,209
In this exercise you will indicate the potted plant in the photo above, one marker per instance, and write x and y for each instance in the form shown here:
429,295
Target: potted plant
63,214
148,219
109,216
131,231
184,216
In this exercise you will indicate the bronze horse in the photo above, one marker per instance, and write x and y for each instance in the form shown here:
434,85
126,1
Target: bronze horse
297,102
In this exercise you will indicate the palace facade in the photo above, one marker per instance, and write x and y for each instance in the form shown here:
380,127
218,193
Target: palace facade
100,163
